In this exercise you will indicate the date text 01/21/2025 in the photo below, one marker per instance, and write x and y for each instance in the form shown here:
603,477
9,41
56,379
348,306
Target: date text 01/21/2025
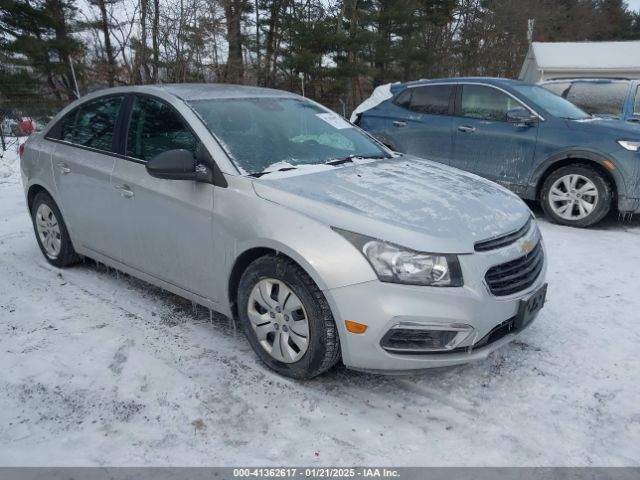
315,472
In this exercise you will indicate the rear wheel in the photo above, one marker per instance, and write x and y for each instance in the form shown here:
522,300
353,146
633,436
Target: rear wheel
287,319
576,195
51,232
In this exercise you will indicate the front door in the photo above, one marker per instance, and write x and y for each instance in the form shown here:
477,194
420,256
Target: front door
485,143
167,229
82,163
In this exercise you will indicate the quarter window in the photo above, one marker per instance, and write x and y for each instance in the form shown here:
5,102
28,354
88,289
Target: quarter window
155,128
486,103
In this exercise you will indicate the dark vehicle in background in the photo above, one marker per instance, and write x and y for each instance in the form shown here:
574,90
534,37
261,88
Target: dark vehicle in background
522,136
605,97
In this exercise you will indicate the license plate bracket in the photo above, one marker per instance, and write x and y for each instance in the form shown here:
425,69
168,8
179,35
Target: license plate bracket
528,308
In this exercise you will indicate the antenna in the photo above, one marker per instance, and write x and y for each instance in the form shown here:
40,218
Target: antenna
530,24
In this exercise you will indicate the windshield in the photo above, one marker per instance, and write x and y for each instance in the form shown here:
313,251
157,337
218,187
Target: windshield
268,134
556,106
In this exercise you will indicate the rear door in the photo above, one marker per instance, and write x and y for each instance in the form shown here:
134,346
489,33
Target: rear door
485,143
83,160
421,123
166,225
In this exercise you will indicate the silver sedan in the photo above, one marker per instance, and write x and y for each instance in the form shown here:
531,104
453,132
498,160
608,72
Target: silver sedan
273,210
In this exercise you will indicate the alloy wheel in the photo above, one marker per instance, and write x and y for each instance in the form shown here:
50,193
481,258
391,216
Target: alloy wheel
279,320
573,197
48,231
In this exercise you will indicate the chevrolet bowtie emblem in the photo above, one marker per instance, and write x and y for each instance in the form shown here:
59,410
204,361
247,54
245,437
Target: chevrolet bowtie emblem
526,246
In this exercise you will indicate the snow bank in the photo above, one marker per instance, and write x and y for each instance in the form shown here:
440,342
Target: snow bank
9,165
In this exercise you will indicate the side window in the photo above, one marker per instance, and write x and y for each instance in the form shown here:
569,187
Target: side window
559,88
90,125
95,123
432,99
155,128
486,103
602,98
63,130
636,103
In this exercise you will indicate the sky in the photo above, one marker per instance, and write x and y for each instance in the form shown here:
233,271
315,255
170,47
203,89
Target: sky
634,4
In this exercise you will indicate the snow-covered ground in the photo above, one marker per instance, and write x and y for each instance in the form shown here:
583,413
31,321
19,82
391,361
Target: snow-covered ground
101,369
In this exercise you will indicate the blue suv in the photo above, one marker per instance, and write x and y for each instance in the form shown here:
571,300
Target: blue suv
524,137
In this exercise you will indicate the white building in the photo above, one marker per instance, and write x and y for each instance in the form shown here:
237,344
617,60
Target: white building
546,61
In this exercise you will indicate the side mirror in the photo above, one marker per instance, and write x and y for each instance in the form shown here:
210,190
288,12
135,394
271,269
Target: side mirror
173,165
521,116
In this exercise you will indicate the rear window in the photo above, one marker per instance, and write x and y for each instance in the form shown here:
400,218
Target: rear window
599,98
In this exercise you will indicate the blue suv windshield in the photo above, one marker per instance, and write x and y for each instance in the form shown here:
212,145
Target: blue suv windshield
555,105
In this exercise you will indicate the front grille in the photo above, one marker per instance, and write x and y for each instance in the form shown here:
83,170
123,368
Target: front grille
503,240
516,275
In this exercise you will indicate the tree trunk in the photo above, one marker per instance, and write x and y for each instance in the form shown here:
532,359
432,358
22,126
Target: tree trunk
111,61
154,41
233,13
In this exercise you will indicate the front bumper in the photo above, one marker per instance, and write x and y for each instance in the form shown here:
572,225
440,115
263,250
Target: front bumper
381,306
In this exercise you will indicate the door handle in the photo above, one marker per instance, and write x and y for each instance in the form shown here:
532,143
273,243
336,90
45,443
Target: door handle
63,167
398,123
125,191
466,129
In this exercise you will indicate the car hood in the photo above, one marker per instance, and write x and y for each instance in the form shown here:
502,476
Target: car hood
406,200
613,127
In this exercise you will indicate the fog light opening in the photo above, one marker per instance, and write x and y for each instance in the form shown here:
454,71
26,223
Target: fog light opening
425,338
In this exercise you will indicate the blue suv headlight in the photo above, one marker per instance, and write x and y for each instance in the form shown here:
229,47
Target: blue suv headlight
632,145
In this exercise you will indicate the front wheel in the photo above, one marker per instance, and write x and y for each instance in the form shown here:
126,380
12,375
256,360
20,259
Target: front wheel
287,319
576,195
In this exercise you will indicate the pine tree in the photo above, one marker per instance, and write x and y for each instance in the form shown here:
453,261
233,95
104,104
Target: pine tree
37,35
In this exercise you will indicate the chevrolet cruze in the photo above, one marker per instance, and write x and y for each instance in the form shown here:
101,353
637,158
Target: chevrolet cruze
273,210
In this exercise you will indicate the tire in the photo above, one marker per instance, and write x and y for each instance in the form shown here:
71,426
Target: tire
44,209
267,297
563,202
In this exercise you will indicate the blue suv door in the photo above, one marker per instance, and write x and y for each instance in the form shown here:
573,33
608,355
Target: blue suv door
487,144
419,121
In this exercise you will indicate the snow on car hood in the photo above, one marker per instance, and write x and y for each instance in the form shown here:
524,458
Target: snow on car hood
407,200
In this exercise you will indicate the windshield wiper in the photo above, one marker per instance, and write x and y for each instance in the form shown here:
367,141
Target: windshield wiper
350,158
259,174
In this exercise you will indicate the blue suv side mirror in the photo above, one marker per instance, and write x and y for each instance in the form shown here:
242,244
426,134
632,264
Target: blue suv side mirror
521,117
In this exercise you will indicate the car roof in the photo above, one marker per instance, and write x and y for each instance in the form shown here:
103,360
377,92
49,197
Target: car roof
489,80
587,80
197,91
205,91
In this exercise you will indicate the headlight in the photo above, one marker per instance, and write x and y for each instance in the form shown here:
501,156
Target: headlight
396,264
632,145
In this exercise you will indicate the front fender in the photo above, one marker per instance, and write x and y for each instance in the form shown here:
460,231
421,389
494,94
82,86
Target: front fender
578,154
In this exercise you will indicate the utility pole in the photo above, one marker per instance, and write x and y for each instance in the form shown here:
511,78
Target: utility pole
73,74
530,24
259,72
